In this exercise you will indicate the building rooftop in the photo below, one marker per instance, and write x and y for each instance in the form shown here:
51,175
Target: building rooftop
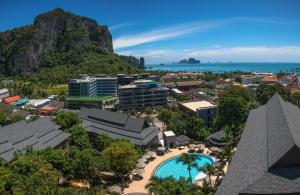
11,99
89,79
38,102
267,157
197,105
177,91
117,125
169,133
4,90
38,134
270,79
189,83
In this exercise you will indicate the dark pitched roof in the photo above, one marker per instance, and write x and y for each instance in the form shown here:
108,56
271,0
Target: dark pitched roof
39,134
117,125
182,139
267,159
217,138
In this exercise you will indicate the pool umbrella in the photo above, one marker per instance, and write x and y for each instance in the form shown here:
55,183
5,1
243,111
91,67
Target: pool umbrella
115,190
142,160
201,146
146,156
152,154
141,165
215,149
139,171
192,146
161,148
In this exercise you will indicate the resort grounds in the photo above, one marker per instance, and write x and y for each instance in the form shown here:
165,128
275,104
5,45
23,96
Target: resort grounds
139,187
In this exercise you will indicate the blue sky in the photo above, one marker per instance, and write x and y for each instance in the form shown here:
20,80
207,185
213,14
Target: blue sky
169,30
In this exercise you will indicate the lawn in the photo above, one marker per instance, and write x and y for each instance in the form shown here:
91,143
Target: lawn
56,90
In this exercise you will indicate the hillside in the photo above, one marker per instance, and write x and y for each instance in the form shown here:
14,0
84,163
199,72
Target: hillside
59,42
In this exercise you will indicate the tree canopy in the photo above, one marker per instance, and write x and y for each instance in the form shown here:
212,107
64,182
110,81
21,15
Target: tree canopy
66,119
121,157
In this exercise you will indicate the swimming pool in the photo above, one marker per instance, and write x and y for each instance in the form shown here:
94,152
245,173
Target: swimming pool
177,170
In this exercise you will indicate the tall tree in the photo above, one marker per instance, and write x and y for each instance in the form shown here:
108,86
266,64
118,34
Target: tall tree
66,119
197,129
209,170
121,157
79,137
265,92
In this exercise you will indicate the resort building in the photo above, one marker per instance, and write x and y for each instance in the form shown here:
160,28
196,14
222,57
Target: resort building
270,80
267,157
188,85
202,109
4,93
93,86
38,134
76,103
91,92
169,139
20,102
118,126
39,103
12,99
217,139
142,94
176,92
126,79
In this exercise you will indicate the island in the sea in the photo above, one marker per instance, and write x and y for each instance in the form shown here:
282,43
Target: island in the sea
189,61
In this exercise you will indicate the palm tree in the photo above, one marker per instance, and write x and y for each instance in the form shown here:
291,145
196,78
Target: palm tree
190,161
209,170
170,185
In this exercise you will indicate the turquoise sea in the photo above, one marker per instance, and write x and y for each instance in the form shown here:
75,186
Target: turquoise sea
228,67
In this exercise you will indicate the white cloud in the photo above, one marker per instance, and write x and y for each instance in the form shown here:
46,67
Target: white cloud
121,25
222,54
166,33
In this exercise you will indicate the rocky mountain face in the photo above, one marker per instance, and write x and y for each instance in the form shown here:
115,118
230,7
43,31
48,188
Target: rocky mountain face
25,49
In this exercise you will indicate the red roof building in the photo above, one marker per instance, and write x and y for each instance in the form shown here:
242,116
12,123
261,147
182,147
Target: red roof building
270,79
11,99
47,109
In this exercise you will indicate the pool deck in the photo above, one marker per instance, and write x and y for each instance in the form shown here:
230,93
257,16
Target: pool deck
139,186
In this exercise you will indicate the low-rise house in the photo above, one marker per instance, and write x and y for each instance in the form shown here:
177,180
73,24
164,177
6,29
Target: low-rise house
176,92
267,157
39,103
169,85
4,93
49,110
182,140
169,139
118,126
270,80
202,109
38,134
21,102
248,79
188,85
12,99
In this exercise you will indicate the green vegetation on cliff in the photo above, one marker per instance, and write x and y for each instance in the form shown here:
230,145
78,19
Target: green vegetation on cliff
59,46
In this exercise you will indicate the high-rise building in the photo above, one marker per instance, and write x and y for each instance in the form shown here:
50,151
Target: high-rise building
93,87
142,63
142,94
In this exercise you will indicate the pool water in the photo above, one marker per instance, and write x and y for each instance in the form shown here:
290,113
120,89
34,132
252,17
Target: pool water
172,168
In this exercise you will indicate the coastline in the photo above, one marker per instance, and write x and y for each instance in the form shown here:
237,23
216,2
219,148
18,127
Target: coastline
227,67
